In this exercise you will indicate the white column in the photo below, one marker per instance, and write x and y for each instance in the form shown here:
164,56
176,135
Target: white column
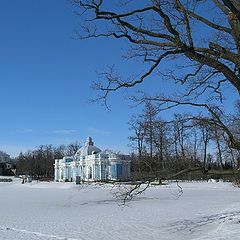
93,171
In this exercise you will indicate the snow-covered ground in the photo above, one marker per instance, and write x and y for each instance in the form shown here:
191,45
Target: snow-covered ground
65,211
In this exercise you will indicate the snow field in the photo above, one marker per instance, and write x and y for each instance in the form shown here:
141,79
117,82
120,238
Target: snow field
65,211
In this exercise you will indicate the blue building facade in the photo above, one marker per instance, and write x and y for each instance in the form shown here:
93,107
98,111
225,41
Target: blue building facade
92,164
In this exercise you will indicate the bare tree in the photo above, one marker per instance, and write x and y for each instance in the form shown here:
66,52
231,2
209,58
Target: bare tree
218,138
149,118
137,126
180,133
72,148
161,141
195,144
202,35
205,131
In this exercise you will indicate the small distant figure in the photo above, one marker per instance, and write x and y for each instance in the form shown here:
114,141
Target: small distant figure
23,179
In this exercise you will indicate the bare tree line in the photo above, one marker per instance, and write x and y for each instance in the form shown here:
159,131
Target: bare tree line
39,162
163,147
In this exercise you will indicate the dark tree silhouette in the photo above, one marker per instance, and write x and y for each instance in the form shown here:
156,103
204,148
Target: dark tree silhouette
200,39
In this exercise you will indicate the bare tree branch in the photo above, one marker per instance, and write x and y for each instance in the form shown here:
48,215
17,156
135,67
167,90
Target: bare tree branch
232,8
209,23
166,30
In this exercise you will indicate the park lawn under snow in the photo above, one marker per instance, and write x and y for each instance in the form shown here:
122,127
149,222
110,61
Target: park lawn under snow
68,211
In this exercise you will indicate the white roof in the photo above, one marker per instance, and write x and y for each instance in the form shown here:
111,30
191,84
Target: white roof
87,149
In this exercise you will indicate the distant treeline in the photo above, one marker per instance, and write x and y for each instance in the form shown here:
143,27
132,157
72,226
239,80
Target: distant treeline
160,148
164,147
39,162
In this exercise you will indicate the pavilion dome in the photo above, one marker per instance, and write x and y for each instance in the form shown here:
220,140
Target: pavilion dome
87,149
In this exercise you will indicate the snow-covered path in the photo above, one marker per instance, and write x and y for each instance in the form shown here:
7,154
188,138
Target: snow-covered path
64,211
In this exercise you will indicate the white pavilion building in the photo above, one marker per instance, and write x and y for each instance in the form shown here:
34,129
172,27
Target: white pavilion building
4,157
92,164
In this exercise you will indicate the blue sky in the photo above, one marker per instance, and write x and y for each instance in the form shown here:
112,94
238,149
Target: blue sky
45,80
46,75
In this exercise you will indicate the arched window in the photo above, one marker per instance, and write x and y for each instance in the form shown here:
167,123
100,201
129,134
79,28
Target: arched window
90,173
